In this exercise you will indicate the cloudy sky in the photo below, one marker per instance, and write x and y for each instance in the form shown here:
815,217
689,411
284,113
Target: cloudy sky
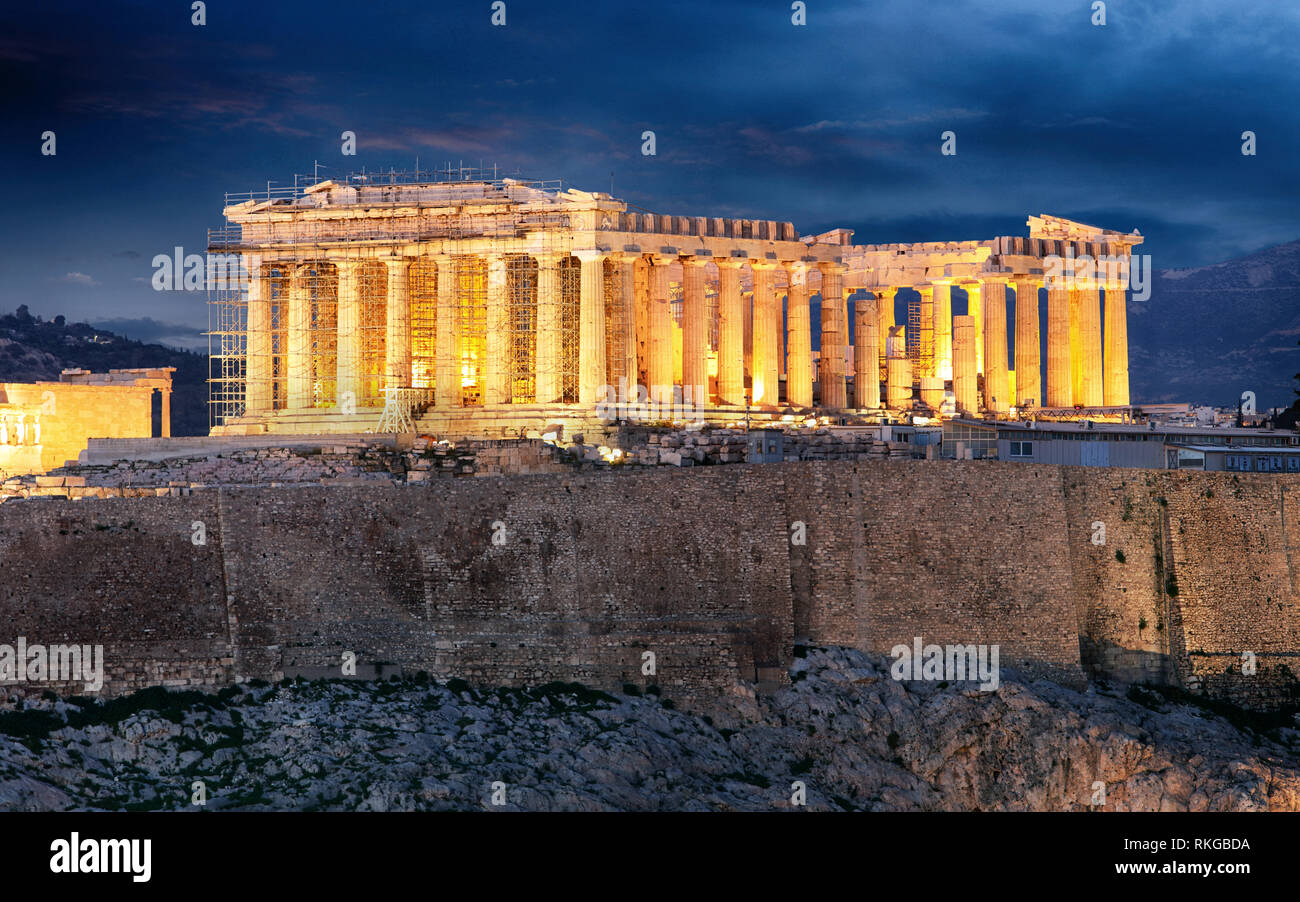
1135,124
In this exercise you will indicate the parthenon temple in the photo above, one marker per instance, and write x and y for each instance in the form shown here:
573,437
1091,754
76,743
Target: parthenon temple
495,306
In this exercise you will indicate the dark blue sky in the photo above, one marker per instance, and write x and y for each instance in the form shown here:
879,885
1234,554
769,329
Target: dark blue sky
1136,124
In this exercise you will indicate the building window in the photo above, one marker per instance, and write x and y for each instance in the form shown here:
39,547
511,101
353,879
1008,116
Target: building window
1022,449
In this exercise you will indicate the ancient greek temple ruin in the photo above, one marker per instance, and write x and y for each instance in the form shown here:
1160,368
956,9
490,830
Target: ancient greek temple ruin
496,306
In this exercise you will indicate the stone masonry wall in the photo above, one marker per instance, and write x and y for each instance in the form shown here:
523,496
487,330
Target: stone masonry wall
576,576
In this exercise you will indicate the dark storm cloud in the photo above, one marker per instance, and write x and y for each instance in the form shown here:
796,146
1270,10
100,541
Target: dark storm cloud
1133,125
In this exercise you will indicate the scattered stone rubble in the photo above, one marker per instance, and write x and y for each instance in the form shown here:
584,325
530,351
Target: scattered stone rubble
361,463
686,448
853,736
343,464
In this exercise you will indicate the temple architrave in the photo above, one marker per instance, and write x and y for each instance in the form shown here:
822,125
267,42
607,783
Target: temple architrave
507,307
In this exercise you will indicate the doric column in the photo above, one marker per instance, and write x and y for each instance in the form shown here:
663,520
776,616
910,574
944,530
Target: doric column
834,313
964,380
798,375
626,368
1090,368
942,328
1059,391
1076,347
496,388
975,310
898,380
765,385
1115,390
397,324
549,383
447,389
591,334
866,365
347,359
996,383
165,412
299,362
884,321
257,388
1029,382
695,333
661,329
731,332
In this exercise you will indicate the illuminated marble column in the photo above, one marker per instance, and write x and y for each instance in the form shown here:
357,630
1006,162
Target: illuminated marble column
765,385
549,383
731,332
884,321
866,368
834,392
964,381
397,324
1090,365
695,331
447,388
257,389
591,336
347,360
661,329
1115,391
799,377
626,368
299,329
996,382
975,310
942,328
495,371
898,380
1059,391
1029,382
1076,348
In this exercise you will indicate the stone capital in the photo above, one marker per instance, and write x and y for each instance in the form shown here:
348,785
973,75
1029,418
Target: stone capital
694,261
624,258
797,272
763,264
730,262
590,254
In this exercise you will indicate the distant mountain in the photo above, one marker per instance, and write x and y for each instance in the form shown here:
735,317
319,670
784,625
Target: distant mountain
34,350
1208,334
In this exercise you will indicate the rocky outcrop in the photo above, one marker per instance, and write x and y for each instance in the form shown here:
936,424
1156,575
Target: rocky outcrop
844,729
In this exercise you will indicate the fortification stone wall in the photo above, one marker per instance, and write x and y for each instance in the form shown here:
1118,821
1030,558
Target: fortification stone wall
576,576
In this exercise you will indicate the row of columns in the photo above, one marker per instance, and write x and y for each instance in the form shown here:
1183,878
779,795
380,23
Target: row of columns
769,344
1081,369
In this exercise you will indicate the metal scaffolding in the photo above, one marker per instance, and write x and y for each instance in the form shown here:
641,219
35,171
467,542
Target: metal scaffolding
521,328
570,327
422,289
